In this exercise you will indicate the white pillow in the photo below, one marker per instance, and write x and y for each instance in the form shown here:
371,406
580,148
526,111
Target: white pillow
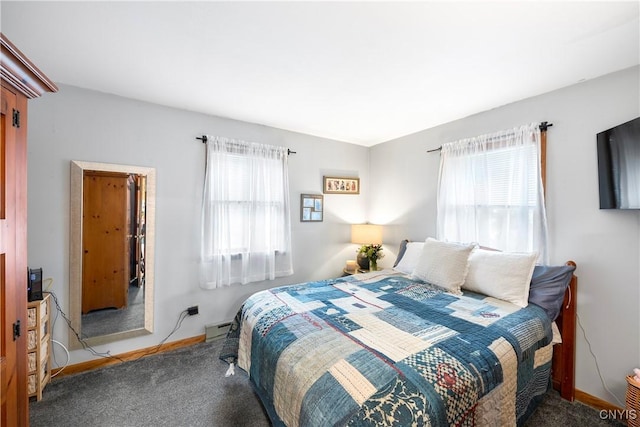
410,258
443,264
502,275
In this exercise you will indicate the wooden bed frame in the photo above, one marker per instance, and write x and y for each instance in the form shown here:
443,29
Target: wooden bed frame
564,355
563,362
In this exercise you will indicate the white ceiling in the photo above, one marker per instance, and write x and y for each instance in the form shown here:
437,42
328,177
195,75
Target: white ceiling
361,72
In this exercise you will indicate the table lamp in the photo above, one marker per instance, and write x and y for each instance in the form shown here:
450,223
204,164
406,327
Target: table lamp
365,234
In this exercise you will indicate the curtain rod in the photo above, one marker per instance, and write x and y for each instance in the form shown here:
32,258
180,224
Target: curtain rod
204,139
543,128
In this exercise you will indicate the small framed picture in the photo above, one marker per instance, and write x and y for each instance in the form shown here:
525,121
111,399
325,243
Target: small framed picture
311,207
340,185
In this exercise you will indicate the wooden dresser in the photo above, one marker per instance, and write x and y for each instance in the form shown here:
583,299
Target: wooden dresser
38,346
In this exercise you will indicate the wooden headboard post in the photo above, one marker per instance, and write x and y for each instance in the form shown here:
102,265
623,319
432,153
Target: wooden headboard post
564,355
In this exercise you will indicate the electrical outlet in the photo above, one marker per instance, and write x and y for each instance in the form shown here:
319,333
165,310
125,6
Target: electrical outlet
193,310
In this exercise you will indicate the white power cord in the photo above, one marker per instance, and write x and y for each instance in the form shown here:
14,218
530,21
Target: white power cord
68,356
48,283
604,384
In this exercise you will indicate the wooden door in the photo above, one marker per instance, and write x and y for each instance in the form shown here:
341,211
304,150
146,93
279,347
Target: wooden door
105,240
13,271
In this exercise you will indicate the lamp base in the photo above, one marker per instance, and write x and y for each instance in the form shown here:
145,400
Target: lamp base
363,261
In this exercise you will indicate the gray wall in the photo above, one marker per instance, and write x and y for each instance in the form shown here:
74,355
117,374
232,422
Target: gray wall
604,243
83,125
78,124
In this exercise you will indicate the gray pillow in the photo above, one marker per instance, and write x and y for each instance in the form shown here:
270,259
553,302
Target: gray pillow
548,285
401,251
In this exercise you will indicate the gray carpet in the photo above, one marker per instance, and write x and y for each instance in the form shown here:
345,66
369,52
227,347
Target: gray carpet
187,387
110,321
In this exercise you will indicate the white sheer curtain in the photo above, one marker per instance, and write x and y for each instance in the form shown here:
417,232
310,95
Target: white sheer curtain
490,191
246,222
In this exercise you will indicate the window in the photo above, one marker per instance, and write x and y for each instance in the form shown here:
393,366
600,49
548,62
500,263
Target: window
246,230
490,192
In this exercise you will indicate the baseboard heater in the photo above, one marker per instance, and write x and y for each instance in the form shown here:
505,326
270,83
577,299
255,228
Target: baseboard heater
217,331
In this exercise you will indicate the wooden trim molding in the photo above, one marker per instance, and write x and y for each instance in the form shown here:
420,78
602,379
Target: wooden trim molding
21,73
595,402
125,357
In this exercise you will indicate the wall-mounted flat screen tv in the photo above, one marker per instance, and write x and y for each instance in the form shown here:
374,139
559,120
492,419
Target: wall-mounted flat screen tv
619,166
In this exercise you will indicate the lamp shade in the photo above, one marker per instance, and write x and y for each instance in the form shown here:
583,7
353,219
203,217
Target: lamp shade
366,234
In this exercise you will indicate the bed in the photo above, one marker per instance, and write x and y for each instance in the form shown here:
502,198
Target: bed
391,348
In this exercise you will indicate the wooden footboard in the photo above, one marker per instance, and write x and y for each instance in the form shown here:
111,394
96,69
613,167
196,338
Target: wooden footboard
563,363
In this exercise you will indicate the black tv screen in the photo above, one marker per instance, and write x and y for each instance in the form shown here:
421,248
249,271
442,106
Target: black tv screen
619,166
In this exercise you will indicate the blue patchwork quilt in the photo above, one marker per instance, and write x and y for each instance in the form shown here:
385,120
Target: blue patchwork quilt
383,349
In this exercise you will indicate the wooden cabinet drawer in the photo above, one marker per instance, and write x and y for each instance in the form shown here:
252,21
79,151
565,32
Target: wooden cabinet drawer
32,361
32,340
32,383
32,317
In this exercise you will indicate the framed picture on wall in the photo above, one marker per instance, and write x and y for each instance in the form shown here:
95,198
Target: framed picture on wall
340,185
311,207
